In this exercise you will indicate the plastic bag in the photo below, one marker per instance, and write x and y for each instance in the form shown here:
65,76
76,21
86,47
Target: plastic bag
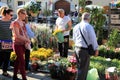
93,74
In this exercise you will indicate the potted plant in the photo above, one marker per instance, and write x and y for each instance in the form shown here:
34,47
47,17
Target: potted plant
64,68
32,8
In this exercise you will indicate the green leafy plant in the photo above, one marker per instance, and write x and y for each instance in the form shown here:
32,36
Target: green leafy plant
97,20
118,4
64,68
32,6
97,62
114,38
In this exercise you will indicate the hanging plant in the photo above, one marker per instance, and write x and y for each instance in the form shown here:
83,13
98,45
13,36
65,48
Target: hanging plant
32,8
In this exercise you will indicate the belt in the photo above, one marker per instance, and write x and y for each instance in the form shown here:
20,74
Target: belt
81,48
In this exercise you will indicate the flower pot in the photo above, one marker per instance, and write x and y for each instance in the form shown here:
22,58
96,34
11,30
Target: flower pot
34,66
33,14
53,71
71,76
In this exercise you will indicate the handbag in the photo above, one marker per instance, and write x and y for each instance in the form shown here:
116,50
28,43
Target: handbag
91,51
6,45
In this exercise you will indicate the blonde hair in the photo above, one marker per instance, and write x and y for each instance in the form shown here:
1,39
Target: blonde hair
5,10
61,11
20,10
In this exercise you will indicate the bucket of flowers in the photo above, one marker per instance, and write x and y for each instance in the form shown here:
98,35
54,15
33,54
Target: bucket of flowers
72,69
64,68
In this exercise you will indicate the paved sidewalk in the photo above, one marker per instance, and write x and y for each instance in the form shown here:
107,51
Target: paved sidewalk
31,75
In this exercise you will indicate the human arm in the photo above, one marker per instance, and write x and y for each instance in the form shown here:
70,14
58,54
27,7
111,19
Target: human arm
29,31
93,39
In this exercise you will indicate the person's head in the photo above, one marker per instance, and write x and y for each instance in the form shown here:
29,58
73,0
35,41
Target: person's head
86,16
21,13
61,13
7,13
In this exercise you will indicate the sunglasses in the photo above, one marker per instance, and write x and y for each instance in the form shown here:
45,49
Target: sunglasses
23,13
11,14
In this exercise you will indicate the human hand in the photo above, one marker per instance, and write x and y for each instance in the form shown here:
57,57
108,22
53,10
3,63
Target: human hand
96,53
63,31
28,40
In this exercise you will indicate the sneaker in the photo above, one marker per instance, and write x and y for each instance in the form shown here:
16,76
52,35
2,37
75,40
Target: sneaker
6,74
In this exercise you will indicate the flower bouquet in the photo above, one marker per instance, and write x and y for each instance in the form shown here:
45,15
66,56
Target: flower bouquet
59,35
72,69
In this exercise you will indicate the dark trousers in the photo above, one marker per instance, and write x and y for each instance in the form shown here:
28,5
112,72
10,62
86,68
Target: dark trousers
19,62
27,57
63,47
4,60
83,60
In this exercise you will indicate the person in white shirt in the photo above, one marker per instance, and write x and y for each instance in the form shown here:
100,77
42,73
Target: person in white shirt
81,48
63,23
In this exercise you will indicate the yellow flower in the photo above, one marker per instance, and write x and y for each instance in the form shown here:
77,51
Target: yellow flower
56,31
41,53
13,56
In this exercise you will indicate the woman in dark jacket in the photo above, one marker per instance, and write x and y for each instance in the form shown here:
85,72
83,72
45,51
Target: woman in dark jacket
5,38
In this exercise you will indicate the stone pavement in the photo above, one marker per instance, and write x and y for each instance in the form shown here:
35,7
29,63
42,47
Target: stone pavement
30,75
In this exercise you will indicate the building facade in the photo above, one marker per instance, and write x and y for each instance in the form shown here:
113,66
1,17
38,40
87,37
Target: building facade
68,5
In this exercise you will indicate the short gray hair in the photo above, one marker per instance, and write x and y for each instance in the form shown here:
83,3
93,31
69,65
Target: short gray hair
85,16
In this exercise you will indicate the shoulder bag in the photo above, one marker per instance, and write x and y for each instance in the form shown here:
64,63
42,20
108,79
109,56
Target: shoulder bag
91,51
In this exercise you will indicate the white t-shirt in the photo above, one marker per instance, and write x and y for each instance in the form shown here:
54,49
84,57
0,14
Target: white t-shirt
62,24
